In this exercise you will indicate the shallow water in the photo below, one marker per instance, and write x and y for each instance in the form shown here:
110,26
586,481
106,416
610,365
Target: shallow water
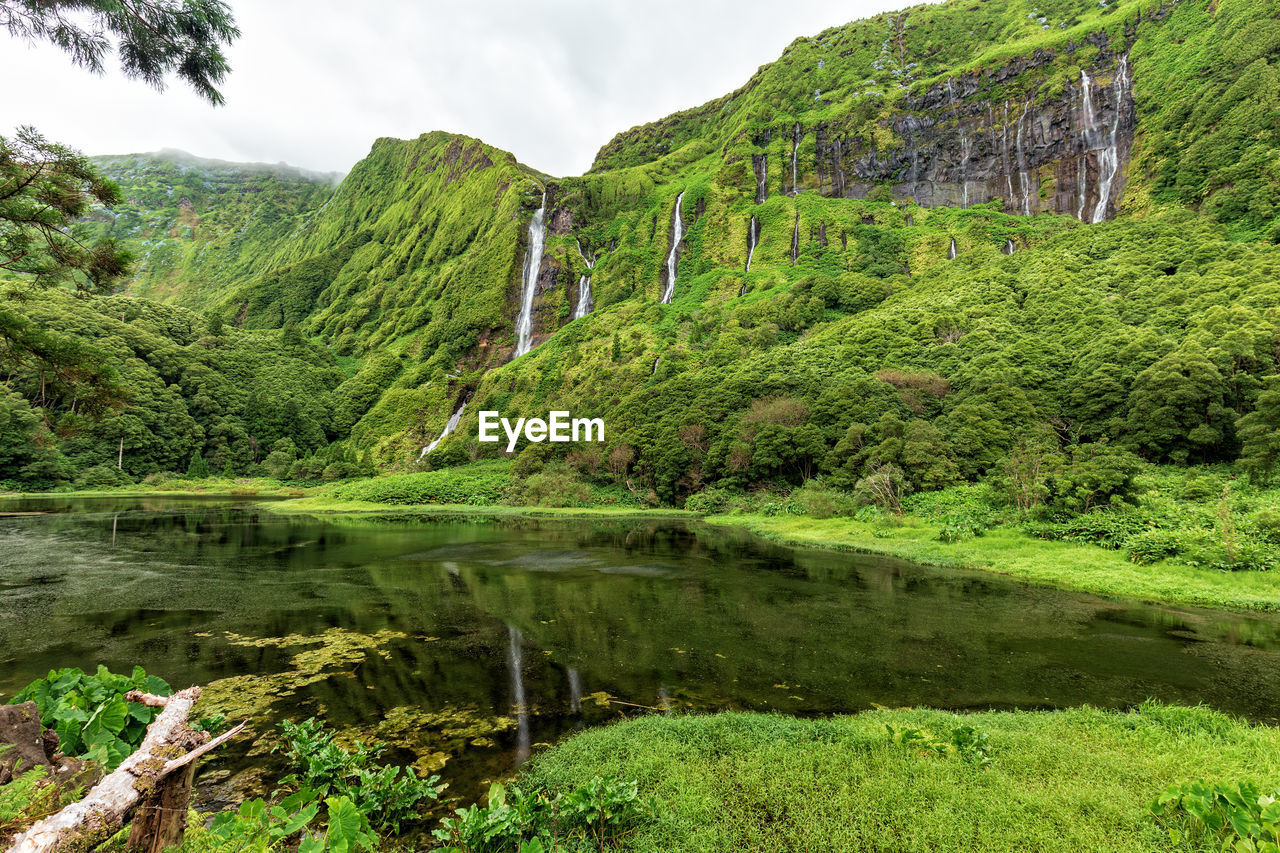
467,643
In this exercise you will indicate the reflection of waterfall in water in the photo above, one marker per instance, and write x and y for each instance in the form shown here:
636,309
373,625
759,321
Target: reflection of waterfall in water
664,700
753,234
515,663
1109,155
951,250
532,266
677,234
585,300
575,691
448,428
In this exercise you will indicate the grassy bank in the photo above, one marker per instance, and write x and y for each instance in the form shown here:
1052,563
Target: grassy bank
327,505
1058,781
1011,552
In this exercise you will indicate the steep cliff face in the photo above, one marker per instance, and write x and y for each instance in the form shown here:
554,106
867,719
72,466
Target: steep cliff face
975,138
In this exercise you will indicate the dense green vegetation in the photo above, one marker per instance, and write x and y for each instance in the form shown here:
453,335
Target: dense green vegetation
342,327
1073,780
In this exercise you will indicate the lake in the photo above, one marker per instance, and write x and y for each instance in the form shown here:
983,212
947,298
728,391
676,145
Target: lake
468,643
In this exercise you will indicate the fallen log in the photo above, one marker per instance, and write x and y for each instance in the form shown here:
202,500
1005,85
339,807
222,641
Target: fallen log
146,775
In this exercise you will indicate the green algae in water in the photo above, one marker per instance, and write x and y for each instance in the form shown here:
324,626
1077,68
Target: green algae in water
253,696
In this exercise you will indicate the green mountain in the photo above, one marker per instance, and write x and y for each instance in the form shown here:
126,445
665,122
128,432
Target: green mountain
916,239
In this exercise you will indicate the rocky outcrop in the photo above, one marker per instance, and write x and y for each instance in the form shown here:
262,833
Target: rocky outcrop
964,144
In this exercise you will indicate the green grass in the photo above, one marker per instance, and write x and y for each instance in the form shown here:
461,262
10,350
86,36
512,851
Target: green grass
1010,552
322,504
1077,780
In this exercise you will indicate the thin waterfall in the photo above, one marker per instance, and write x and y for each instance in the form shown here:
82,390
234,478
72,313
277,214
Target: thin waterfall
1088,126
1109,155
1008,247
753,235
1004,152
532,265
951,250
795,241
586,302
1024,178
448,428
575,691
677,234
1082,181
655,365
795,160
515,664
964,158
760,165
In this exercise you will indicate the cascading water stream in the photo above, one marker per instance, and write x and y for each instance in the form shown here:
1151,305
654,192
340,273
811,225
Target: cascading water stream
753,235
795,241
677,234
448,428
951,250
1109,154
532,266
586,302
795,160
760,165
1024,178
1008,247
515,663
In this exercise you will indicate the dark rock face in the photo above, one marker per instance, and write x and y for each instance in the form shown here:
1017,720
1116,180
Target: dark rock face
760,165
21,732
964,144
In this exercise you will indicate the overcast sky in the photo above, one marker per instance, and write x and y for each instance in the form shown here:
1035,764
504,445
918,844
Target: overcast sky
314,82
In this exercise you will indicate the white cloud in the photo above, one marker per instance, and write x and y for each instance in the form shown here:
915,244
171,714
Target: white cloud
314,82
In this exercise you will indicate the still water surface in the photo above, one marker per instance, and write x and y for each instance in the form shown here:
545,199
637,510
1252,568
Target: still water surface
468,643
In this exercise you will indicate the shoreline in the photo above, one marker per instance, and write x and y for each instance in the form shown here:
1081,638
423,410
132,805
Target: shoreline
1002,551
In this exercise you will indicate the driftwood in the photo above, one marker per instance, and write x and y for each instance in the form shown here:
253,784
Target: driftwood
156,776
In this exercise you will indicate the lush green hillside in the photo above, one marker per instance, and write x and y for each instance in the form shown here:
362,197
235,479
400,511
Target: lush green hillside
194,224
1104,175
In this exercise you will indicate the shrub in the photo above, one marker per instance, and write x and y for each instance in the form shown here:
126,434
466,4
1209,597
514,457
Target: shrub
1232,815
90,714
387,795
474,485
555,485
597,814
1267,523
710,500
1151,546
102,476
819,500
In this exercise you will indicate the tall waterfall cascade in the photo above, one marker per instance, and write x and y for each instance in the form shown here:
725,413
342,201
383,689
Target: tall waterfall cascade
448,428
795,240
586,302
1024,177
1109,150
532,265
515,664
753,236
795,160
673,257
951,250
